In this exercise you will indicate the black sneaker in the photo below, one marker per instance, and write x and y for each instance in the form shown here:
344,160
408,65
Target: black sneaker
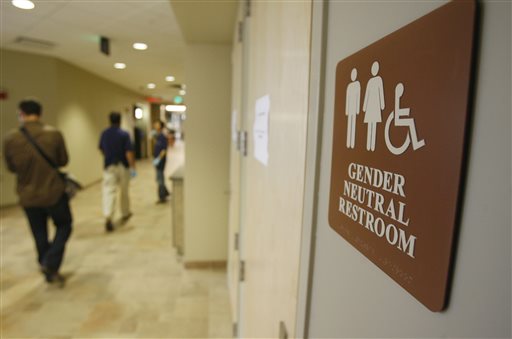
54,278
109,227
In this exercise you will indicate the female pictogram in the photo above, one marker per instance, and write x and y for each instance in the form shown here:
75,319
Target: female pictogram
352,107
399,117
373,106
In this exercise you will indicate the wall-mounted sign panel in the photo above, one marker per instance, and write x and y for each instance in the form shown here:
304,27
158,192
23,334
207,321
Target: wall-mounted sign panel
398,147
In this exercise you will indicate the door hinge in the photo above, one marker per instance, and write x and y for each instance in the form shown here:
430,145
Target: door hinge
247,8
238,140
235,330
283,333
241,276
240,31
243,143
237,241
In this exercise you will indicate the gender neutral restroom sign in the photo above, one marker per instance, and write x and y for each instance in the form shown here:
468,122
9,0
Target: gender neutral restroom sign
398,146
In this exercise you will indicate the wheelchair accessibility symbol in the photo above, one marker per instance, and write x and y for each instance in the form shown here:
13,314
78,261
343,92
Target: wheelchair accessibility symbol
373,105
399,118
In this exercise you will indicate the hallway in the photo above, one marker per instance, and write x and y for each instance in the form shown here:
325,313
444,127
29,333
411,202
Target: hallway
129,283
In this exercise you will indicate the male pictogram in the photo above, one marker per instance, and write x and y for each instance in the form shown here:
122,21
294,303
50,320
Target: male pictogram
352,107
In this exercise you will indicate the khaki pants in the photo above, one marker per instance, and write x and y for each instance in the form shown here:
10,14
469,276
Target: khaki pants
114,177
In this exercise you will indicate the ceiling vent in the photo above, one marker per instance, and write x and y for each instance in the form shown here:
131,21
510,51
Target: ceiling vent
34,43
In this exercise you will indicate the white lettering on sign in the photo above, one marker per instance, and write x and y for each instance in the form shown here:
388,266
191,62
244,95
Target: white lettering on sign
375,177
358,202
368,206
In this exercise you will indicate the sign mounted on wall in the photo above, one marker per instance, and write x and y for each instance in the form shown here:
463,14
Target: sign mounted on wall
401,106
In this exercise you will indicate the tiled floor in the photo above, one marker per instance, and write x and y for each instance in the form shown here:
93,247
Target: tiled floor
127,284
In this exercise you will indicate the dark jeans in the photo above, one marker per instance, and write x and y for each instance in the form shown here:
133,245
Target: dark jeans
160,179
50,253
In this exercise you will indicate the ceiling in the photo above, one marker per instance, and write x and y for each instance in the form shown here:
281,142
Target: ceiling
75,27
206,21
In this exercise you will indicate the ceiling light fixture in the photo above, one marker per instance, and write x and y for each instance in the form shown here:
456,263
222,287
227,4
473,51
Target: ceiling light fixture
138,113
182,92
151,85
175,108
23,4
140,46
119,65
170,78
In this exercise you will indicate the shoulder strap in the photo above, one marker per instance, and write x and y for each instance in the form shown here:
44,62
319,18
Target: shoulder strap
38,148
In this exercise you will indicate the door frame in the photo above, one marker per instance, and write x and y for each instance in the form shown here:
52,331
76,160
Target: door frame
244,128
312,165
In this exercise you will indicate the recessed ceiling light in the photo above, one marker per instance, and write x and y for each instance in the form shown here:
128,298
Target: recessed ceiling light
140,46
183,92
23,4
151,85
169,78
119,65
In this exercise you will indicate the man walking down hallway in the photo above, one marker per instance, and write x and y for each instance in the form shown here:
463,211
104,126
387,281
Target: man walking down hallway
40,187
117,150
160,159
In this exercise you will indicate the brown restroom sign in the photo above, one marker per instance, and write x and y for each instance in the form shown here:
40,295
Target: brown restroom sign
401,106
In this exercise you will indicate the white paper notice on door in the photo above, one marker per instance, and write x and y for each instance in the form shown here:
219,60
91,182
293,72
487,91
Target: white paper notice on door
260,129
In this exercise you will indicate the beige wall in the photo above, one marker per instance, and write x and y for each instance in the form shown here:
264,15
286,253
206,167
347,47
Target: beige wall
75,101
207,152
350,296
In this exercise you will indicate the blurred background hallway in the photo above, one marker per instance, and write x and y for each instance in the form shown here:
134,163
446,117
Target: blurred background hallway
129,283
